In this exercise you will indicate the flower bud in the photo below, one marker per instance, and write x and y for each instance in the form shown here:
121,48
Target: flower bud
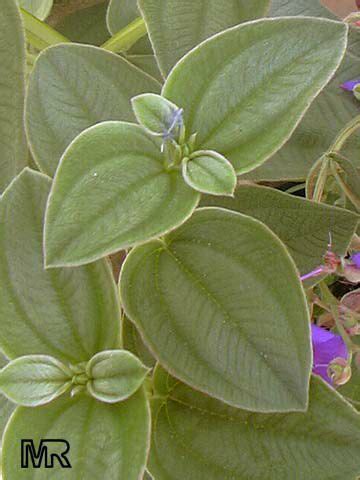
339,371
350,320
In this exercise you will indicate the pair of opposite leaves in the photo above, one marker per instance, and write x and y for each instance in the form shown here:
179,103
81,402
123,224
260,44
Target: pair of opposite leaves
81,321
250,86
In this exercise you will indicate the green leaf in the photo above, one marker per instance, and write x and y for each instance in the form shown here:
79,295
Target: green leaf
133,342
147,63
87,25
106,441
176,27
70,314
73,87
351,390
13,149
119,15
114,375
6,407
121,195
34,380
328,114
245,109
209,172
197,437
38,8
154,113
302,225
224,292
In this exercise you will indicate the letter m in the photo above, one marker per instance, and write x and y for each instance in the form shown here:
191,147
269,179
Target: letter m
41,457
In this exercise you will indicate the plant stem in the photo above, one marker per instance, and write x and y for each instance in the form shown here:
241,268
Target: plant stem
127,37
321,180
348,130
354,199
39,34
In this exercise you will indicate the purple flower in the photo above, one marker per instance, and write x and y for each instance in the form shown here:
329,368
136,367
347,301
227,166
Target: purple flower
350,85
327,347
355,259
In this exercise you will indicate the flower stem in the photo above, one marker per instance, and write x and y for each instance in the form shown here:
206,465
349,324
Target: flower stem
321,180
127,37
39,34
343,136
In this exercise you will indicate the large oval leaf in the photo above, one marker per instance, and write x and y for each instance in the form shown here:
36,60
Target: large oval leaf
251,85
73,87
196,437
105,441
176,27
70,314
303,226
13,150
214,302
112,190
328,114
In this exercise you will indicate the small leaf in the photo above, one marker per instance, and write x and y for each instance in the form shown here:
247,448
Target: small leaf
224,292
38,8
155,113
13,148
114,375
73,87
70,314
302,225
175,27
209,172
106,441
121,195
34,380
252,84
197,437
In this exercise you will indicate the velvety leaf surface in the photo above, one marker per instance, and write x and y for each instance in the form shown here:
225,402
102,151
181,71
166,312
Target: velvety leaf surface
87,25
70,314
328,114
196,437
38,8
73,87
34,380
120,14
147,63
302,225
13,150
351,390
251,85
176,27
6,407
111,191
106,441
133,342
209,172
115,375
214,301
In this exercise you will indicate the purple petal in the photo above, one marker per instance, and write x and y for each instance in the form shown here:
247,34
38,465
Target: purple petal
350,85
326,347
314,273
355,259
